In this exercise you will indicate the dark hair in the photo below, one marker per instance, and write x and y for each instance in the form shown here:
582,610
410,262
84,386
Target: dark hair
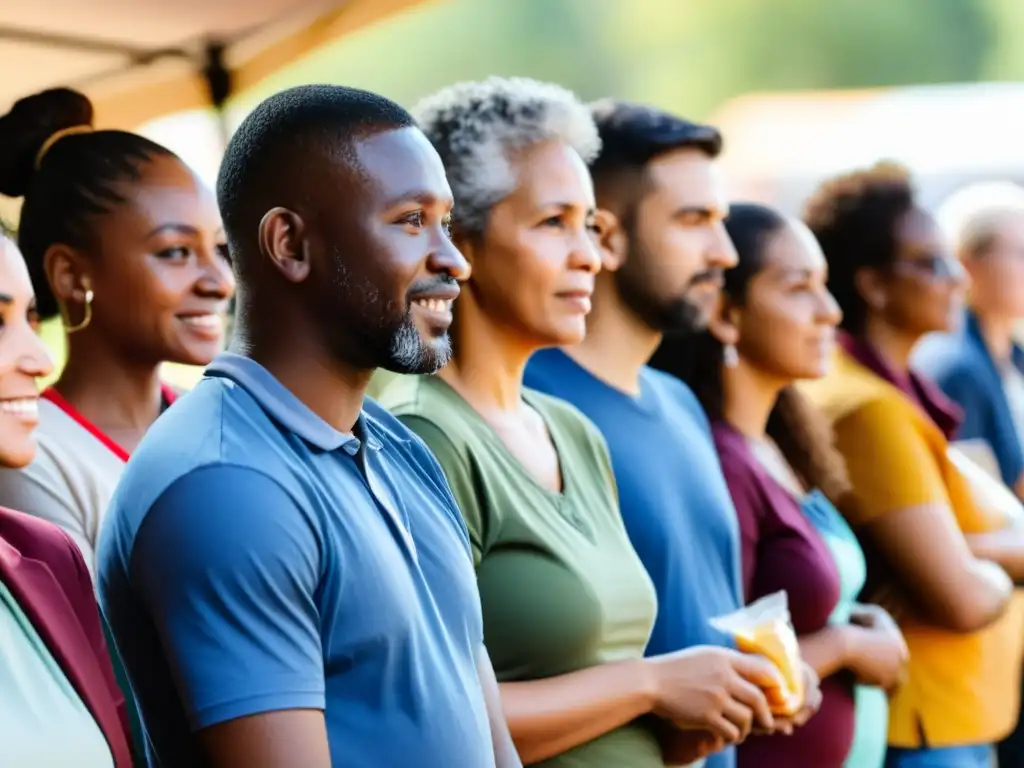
855,218
77,178
696,358
631,136
322,119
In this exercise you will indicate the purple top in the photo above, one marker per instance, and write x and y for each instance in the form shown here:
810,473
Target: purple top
940,409
782,550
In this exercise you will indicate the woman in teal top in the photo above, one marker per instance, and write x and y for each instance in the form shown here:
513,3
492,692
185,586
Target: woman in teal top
567,605
871,723
774,327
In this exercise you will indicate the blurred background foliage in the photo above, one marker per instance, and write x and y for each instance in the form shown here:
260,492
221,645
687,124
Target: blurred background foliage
689,56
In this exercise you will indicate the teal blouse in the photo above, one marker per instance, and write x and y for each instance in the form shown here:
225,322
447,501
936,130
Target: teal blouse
871,724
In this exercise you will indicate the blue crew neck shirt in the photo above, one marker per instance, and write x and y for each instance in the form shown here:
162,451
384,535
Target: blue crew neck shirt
255,559
672,493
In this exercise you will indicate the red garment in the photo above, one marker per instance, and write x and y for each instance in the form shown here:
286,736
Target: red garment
781,549
55,397
45,572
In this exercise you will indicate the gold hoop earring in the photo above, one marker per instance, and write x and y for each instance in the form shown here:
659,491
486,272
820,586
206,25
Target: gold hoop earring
86,317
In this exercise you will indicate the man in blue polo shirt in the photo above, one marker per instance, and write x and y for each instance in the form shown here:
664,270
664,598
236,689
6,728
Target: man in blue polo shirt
664,248
284,569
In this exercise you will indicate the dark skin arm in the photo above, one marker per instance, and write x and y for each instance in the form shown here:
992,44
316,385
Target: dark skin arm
551,716
682,747
1005,547
288,738
701,688
946,580
282,739
873,649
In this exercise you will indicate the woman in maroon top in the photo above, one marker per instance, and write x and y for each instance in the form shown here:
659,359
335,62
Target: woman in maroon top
775,326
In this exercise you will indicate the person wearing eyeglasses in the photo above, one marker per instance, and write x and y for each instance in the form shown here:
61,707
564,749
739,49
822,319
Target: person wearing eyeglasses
914,505
980,366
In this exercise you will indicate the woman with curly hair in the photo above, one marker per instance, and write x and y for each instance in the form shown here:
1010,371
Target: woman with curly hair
567,605
775,326
927,532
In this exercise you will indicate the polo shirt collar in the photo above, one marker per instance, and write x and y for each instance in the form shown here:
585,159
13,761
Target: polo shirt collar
287,410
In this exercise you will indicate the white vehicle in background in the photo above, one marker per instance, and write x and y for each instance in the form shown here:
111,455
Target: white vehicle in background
779,146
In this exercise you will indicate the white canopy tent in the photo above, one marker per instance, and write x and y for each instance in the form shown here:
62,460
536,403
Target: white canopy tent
142,59
159,66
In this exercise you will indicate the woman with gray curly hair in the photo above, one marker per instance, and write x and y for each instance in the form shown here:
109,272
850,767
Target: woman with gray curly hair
567,604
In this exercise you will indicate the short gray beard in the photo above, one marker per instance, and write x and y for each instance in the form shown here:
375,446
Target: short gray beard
408,354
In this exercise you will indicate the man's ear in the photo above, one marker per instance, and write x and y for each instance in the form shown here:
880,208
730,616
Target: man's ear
282,239
611,238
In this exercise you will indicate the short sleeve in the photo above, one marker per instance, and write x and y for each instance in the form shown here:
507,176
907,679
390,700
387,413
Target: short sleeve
890,463
227,565
459,475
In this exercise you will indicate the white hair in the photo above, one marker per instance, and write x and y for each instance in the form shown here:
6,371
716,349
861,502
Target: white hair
477,126
971,216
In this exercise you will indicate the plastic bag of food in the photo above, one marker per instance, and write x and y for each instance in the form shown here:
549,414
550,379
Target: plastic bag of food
764,627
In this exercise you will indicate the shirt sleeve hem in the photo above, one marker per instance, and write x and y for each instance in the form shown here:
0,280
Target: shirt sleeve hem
256,705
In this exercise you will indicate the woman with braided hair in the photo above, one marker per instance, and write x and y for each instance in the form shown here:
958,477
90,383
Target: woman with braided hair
125,244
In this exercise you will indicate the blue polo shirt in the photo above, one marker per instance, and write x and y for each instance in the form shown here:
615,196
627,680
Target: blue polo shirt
255,559
674,500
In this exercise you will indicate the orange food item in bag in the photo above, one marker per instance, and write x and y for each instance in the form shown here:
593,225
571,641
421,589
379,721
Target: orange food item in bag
764,627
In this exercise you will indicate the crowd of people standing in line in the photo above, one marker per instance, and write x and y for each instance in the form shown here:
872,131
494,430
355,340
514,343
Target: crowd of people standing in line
611,406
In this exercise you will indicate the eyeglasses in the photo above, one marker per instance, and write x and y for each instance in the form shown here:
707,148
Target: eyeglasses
931,267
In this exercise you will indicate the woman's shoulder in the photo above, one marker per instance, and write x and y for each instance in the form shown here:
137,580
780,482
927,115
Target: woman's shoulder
436,414
38,539
422,396
851,391
743,472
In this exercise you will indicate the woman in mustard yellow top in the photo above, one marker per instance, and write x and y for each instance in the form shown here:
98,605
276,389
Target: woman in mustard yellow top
930,543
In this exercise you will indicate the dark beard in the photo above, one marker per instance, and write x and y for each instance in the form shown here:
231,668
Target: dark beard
634,282
384,342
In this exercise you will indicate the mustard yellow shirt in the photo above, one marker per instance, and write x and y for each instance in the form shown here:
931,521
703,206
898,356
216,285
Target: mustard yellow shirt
961,688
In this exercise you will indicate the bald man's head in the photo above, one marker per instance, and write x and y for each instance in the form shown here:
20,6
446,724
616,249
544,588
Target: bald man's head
337,209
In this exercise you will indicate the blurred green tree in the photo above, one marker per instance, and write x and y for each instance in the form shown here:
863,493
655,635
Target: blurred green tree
688,55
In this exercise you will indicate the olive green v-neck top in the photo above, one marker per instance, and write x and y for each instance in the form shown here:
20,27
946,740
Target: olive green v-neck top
560,584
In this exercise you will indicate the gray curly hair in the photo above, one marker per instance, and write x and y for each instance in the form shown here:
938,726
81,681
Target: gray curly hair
477,126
